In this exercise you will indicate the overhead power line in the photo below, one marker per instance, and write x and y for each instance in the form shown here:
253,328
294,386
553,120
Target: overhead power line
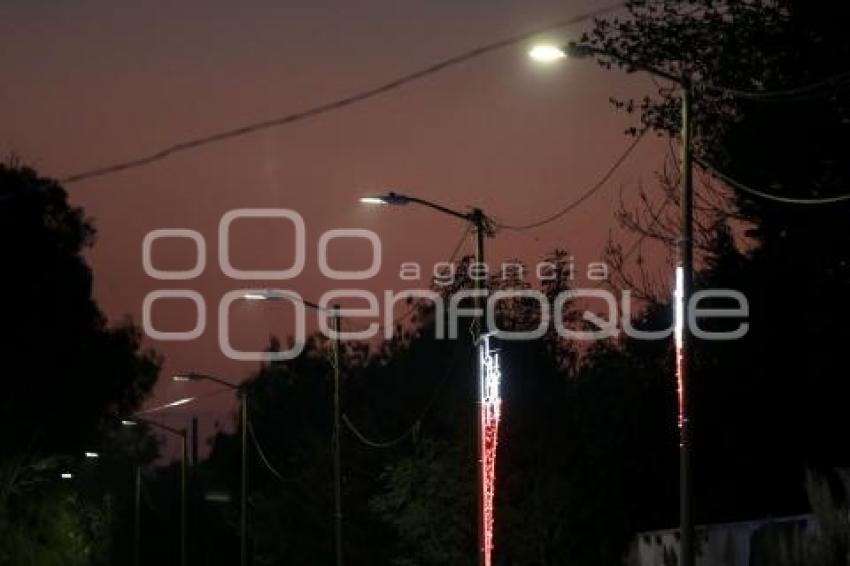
338,104
768,196
418,421
818,88
265,459
586,195
455,251
412,308
375,443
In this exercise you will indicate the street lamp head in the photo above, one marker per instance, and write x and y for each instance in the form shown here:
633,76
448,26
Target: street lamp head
389,198
66,475
546,53
177,403
579,51
92,455
551,53
255,296
268,295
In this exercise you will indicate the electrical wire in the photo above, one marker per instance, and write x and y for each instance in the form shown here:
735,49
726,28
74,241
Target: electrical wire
761,194
451,259
263,457
374,443
261,453
412,308
835,82
418,421
460,242
340,103
586,195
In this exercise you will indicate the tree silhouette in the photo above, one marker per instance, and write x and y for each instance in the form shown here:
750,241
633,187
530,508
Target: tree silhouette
65,372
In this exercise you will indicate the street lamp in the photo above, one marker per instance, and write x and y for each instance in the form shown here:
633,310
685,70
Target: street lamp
176,403
276,295
684,275
243,501
181,433
482,228
546,53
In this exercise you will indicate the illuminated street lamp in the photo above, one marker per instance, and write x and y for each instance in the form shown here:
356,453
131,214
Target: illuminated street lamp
276,295
243,503
546,53
181,433
684,275
92,455
486,419
176,403
389,198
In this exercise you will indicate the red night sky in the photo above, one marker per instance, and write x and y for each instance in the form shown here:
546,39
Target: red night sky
90,83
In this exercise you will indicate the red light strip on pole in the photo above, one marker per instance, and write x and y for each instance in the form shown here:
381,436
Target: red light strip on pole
491,404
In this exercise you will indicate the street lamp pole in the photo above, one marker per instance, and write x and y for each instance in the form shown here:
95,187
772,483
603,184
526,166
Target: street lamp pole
684,278
337,452
184,448
243,495
482,229
479,221
683,354
271,295
243,487
183,491
137,515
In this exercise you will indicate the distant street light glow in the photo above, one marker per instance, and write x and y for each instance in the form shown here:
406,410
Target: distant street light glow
546,53
178,402
92,455
389,198
270,295
66,475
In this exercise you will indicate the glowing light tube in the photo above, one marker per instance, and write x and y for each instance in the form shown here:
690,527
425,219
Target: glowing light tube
678,337
491,404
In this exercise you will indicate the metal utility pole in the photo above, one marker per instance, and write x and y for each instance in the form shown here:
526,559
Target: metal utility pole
183,486
269,295
684,365
479,221
184,447
137,516
684,276
242,392
243,498
337,456
482,229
